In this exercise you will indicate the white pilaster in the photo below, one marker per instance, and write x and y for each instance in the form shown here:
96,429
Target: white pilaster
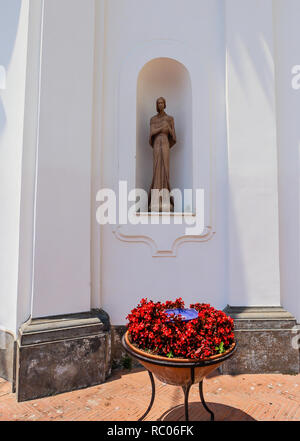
61,283
287,37
252,155
13,59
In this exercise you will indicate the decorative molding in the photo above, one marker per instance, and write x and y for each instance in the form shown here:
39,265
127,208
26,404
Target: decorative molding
157,248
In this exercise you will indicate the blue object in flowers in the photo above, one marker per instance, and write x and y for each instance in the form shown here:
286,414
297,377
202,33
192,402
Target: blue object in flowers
186,314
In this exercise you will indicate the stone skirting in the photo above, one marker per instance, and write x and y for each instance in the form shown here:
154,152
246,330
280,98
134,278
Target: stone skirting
265,336
61,354
7,356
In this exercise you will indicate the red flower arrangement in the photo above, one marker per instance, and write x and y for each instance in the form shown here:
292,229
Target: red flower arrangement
151,330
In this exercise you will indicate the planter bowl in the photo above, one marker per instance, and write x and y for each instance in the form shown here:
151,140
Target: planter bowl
177,371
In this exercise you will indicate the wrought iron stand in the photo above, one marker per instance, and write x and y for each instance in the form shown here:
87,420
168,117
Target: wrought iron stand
186,389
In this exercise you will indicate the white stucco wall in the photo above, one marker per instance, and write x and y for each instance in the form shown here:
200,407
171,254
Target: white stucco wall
13,57
59,144
129,271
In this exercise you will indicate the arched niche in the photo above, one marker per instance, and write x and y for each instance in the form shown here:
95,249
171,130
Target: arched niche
168,78
202,119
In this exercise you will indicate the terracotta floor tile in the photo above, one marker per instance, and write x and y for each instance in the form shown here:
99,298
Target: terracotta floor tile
126,395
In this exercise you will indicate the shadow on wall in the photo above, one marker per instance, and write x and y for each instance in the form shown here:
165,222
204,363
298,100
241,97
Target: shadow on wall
250,51
9,20
286,19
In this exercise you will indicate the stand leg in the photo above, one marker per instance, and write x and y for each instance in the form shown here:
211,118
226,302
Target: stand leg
186,391
212,416
152,397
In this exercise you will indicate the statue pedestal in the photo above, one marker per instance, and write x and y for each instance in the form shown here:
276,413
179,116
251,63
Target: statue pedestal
162,204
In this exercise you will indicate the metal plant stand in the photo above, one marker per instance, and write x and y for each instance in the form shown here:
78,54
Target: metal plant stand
186,388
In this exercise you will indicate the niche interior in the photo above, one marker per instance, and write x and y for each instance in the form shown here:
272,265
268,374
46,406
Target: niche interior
168,78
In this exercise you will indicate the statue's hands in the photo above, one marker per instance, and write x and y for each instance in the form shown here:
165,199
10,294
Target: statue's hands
166,126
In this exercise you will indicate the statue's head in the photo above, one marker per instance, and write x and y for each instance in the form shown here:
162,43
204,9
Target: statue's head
160,104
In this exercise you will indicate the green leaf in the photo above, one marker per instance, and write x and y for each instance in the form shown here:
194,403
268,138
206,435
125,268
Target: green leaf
220,348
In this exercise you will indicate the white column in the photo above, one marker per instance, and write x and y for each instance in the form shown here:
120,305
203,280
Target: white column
97,149
61,283
252,155
13,53
287,37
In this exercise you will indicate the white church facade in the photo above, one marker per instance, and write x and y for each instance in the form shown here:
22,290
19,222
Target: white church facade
78,85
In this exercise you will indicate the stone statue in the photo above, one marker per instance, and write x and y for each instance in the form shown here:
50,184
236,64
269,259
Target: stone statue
162,138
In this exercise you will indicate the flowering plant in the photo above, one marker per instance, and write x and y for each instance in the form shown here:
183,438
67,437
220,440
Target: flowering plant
151,329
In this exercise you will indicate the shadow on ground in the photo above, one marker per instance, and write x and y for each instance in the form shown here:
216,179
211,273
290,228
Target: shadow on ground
118,373
198,413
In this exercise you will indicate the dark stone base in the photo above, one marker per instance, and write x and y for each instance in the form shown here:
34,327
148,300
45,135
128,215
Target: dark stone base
120,358
61,354
265,341
7,356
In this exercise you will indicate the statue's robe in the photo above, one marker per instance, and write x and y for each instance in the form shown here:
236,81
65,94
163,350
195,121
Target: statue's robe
162,138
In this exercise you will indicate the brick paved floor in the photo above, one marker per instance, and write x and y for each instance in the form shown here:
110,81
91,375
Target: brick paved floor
126,395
